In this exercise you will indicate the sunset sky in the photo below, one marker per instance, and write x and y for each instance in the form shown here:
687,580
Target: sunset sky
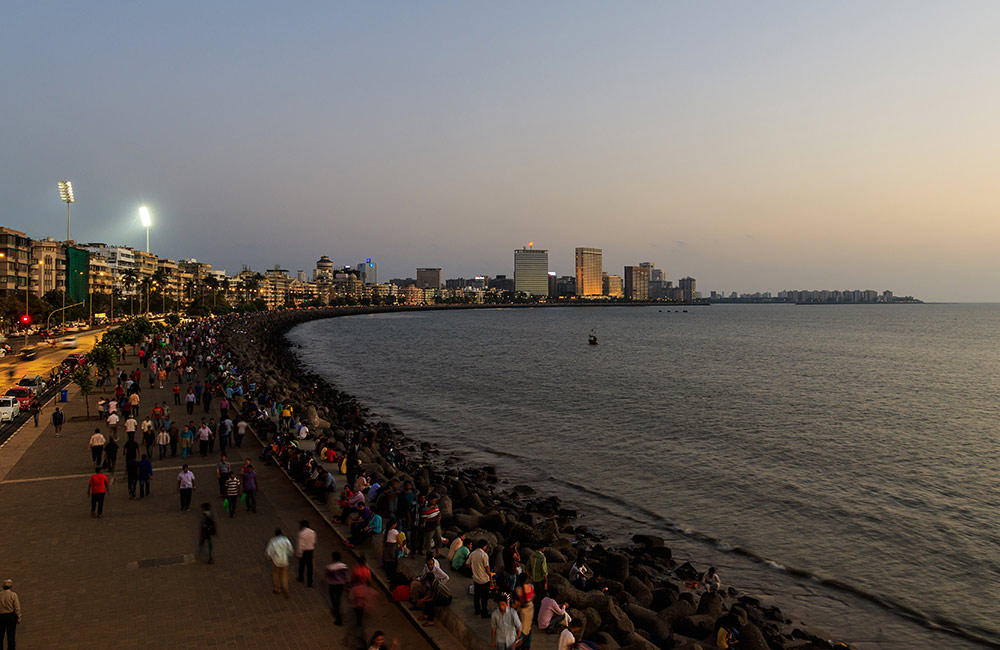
754,146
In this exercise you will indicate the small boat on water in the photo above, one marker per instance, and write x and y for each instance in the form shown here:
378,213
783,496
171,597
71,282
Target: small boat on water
592,339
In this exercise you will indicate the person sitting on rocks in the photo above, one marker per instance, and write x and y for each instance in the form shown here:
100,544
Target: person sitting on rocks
436,595
344,501
712,580
727,631
580,573
460,557
431,567
552,616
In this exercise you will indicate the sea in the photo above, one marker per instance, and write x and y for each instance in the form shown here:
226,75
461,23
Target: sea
839,461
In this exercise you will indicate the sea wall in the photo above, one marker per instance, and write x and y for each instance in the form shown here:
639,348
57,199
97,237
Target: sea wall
643,597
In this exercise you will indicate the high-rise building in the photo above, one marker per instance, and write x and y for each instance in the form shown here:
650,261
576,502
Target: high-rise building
687,291
637,282
429,278
531,271
611,285
368,271
589,265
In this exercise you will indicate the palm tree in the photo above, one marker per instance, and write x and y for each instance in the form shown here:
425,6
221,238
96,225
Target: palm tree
159,278
130,278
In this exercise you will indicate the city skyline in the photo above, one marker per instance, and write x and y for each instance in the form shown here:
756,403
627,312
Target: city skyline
751,146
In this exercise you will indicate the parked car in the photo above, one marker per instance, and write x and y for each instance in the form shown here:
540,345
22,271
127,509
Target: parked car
10,408
21,393
34,382
28,353
68,342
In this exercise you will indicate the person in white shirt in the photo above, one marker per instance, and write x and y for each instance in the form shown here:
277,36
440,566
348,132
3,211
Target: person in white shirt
279,551
113,425
97,447
479,562
307,544
162,441
567,638
185,486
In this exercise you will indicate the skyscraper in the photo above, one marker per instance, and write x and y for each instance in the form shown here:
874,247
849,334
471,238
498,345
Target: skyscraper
611,285
589,264
686,286
531,271
368,271
429,278
637,282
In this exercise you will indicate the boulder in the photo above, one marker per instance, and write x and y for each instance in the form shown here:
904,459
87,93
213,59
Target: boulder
605,641
710,603
687,572
521,532
618,623
648,540
444,503
593,622
664,596
616,566
493,520
466,522
678,610
698,626
635,641
646,619
546,532
473,536
638,589
751,638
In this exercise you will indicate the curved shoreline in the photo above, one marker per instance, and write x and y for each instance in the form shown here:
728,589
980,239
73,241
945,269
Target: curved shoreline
660,600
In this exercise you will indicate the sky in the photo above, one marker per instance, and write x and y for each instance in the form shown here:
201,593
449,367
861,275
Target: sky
756,146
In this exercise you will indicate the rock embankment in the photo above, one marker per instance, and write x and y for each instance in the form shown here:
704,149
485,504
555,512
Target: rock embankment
642,597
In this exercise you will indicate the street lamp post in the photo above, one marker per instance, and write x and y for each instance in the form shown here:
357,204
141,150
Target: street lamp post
147,221
66,196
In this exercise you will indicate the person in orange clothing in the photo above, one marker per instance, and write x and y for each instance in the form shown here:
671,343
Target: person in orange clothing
97,488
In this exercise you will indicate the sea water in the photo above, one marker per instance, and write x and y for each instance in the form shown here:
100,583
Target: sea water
838,461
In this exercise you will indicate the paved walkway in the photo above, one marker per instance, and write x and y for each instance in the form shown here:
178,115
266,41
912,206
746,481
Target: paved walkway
88,583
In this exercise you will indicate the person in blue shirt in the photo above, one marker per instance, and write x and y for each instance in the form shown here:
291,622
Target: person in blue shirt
145,474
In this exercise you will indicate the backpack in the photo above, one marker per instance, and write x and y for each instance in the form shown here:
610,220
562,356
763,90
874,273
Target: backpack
401,593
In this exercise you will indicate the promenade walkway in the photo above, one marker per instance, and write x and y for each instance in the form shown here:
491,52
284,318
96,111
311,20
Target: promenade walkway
133,578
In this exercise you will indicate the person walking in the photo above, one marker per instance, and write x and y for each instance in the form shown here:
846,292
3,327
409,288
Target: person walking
250,487
222,471
97,487
10,614
111,456
185,486
145,475
307,545
97,447
279,551
35,406
337,578
163,441
58,417
113,424
208,531
232,493
505,626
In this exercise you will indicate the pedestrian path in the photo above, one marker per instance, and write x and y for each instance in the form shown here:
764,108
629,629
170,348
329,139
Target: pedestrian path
133,579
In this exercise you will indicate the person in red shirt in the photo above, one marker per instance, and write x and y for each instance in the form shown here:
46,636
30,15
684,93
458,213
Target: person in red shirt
97,488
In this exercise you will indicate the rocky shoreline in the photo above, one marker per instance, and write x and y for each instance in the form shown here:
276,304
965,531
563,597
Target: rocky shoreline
643,598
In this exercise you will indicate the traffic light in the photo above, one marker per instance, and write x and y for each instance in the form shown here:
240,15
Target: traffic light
26,319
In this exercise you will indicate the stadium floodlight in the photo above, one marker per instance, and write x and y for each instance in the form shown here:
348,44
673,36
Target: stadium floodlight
66,192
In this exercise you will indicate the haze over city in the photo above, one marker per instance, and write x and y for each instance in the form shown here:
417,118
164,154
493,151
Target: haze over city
757,147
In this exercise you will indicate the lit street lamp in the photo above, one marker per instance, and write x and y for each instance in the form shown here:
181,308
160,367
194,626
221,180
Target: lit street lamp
147,221
66,196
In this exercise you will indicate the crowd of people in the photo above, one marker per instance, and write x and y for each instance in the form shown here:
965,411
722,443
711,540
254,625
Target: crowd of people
388,521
